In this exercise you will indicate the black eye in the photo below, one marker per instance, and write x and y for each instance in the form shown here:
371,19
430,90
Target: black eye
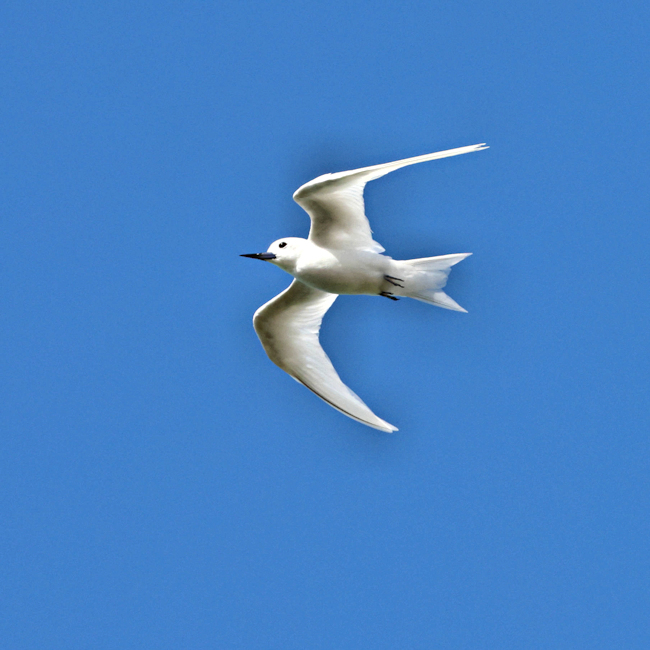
282,244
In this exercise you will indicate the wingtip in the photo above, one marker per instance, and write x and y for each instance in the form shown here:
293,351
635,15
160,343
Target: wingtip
377,423
385,426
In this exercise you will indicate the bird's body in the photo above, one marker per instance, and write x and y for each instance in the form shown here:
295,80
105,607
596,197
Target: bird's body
340,271
340,257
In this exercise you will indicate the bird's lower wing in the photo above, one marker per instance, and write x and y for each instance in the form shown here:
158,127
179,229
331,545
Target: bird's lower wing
335,203
288,327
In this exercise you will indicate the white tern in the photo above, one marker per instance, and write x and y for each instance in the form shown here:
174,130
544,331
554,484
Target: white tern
341,257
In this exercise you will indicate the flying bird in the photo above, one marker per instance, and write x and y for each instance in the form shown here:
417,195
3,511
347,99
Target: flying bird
340,257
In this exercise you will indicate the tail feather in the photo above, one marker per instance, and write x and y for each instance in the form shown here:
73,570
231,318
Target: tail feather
425,277
441,299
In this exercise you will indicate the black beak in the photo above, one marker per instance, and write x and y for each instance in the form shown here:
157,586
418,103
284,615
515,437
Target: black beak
260,256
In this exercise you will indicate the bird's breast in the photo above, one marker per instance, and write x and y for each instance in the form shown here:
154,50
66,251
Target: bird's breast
343,272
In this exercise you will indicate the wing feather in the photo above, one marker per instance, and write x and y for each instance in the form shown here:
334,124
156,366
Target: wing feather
334,202
288,327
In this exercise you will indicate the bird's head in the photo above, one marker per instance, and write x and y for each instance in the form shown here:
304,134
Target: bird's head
283,253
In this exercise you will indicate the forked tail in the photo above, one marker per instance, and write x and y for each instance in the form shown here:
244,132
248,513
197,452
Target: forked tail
424,278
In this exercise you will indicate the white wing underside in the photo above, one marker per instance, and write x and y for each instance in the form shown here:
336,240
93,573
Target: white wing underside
288,327
335,204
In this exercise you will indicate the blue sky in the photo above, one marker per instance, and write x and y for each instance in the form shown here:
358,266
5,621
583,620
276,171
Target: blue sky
163,485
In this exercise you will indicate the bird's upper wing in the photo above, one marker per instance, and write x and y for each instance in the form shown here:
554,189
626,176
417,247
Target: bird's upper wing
334,202
288,327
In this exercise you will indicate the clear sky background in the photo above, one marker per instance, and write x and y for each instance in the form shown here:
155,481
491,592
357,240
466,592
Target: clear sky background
163,485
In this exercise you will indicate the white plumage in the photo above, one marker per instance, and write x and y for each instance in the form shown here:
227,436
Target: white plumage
341,257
